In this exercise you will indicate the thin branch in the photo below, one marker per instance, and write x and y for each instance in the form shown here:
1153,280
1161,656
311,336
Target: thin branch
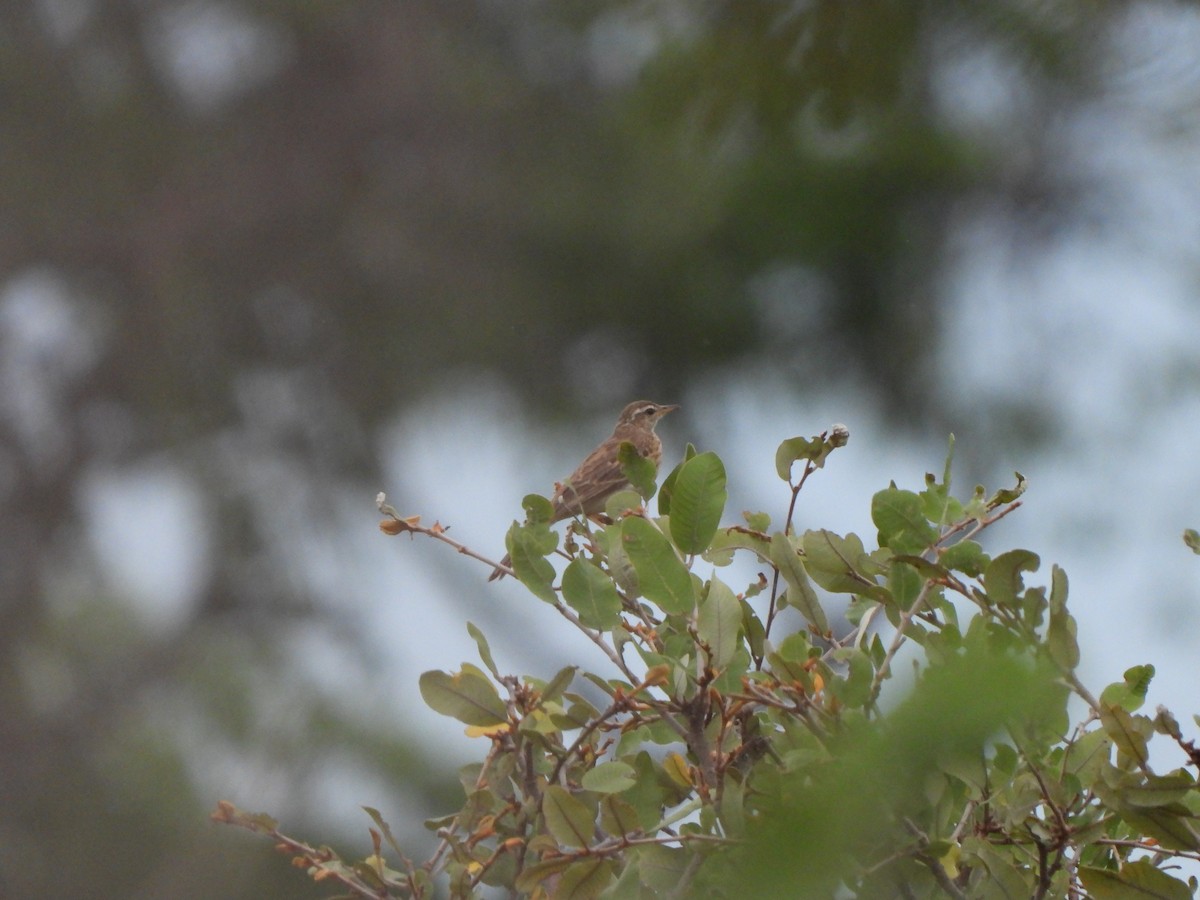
898,640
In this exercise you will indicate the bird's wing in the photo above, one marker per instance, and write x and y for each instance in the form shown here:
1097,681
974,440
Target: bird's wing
584,492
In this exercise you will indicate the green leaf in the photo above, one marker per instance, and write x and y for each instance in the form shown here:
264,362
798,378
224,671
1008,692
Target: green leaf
833,561
905,580
816,450
855,689
621,502
901,521
697,502
800,591
1002,578
647,796
485,652
528,552
568,818
727,540
638,470
384,828
1060,637
1171,826
662,867
467,696
1008,495
560,682
1123,729
609,778
1138,880
618,817
1191,537
667,491
662,577
1158,790
966,557
538,510
758,521
752,626
719,621
584,879
1129,694
936,503
592,594
532,876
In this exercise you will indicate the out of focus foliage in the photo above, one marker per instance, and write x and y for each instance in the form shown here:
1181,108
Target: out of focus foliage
236,236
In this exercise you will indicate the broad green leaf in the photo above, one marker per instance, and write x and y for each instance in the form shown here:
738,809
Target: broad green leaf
966,557
667,491
1129,694
538,510
528,552
584,879
1173,826
697,502
662,577
647,795
1158,790
609,778
904,582
1138,880
662,867
1002,578
467,696
1060,637
619,567
800,591
638,470
721,548
1002,880
815,449
759,521
617,817
901,521
1119,725
937,505
592,594
485,652
532,876
540,721
719,621
1088,754
732,812
554,688
621,502
833,562
568,818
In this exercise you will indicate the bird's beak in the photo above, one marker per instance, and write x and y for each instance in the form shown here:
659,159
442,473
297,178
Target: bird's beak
663,410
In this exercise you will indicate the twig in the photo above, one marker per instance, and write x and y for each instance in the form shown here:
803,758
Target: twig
397,524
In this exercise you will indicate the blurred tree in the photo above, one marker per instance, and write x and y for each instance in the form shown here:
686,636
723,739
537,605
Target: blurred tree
252,230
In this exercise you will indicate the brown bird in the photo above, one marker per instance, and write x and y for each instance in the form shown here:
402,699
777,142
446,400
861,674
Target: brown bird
599,476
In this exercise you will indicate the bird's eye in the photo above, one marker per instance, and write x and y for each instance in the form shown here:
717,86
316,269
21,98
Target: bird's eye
649,410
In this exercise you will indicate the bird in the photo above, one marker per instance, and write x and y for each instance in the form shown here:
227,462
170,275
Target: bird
599,476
